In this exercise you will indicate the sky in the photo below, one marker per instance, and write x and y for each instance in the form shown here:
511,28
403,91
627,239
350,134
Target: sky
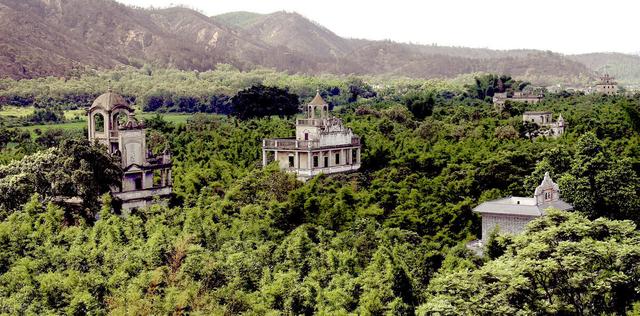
565,26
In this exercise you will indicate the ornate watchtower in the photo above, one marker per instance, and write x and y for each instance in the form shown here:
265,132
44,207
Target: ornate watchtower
607,85
322,145
113,124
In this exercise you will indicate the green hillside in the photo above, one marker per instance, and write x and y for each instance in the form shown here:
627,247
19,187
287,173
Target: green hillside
240,19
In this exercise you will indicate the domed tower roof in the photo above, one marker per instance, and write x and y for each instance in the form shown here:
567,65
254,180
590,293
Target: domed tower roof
317,100
109,101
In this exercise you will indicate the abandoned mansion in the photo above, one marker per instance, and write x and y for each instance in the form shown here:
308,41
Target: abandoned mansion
322,145
145,176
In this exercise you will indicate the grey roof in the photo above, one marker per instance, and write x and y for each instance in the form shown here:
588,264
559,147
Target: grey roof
537,112
523,206
109,101
559,204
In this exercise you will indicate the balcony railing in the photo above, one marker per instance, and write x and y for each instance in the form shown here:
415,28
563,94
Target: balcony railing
143,194
292,143
307,173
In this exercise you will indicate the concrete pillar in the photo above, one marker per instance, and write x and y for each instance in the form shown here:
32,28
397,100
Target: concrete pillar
264,158
296,159
309,160
358,152
275,157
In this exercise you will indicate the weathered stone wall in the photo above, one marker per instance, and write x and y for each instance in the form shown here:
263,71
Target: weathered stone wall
540,119
132,146
509,224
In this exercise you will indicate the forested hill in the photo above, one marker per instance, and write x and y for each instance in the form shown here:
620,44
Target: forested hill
389,239
63,37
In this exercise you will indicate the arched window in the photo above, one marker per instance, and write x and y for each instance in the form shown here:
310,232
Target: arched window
98,123
119,119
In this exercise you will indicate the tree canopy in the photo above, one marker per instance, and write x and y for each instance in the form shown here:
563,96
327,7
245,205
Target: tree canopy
261,101
563,264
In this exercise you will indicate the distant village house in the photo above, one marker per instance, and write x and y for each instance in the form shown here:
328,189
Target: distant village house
499,99
544,119
510,215
607,85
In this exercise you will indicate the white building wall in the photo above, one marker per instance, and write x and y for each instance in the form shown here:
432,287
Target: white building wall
540,119
313,131
336,138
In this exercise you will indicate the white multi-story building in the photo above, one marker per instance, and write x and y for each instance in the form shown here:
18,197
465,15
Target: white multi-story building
322,145
607,85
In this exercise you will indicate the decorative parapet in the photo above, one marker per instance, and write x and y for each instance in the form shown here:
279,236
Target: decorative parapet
144,194
294,144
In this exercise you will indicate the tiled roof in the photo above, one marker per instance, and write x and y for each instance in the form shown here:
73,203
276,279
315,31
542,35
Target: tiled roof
317,100
109,101
519,206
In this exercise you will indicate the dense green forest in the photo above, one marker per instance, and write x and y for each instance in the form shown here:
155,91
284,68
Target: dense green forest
388,239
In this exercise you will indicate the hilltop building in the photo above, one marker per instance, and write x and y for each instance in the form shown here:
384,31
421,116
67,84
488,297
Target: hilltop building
544,119
322,145
112,124
512,214
499,99
607,85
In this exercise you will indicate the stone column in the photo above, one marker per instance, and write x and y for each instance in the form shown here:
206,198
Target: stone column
144,180
296,159
358,152
309,165
275,157
264,158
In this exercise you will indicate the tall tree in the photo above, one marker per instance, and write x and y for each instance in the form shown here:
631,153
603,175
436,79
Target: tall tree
74,169
261,101
563,264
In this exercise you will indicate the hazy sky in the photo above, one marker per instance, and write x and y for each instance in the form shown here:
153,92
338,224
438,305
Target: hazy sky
567,26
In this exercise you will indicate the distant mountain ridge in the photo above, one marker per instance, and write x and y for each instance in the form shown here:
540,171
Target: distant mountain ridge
54,37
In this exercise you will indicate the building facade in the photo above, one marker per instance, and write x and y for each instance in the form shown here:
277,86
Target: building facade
544,119
322,145
607,85
112,123
510,215
499,99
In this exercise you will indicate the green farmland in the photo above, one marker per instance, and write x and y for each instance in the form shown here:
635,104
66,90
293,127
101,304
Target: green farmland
76,118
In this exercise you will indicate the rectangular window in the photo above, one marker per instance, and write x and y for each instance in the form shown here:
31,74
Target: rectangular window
337,159
138,182
326,161
354,156
315,161
291,162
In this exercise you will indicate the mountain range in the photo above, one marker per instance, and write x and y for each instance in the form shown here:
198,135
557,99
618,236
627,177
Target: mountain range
56,37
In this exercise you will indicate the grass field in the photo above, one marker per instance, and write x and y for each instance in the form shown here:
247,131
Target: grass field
13,111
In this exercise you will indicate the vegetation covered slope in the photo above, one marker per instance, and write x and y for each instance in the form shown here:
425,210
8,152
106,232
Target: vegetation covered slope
236,238
626,68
